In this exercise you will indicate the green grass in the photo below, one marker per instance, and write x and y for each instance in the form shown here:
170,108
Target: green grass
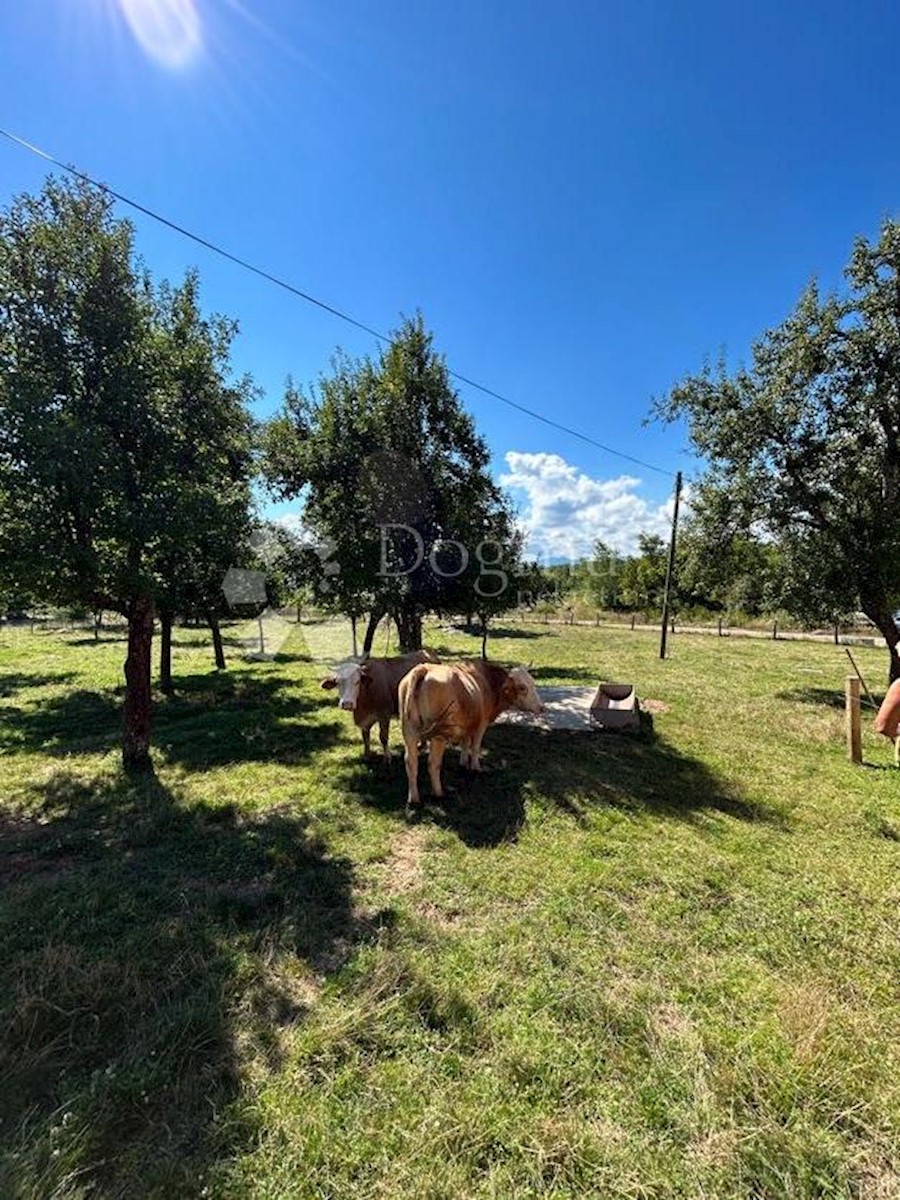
664,966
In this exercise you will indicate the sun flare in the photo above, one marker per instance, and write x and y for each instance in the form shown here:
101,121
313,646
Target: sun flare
167,30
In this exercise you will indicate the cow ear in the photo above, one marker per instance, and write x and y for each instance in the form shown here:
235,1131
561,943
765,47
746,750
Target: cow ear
329,682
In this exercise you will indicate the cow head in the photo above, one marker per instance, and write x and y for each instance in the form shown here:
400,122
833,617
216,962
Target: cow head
347,678
519,691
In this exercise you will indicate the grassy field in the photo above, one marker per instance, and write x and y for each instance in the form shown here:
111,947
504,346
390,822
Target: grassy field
664,966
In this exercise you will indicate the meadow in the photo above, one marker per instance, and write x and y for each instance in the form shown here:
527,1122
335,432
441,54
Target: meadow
664,965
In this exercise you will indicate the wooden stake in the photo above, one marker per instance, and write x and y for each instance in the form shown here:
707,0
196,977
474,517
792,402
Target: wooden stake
861,680
854,728
670,569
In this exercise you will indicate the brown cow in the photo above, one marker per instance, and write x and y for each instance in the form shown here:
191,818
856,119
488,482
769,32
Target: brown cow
888,719
369,690
455,704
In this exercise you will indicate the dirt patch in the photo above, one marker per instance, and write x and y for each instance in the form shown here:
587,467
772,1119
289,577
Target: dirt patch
443,918
654,706
668,1022
22,868
878,1181
403,867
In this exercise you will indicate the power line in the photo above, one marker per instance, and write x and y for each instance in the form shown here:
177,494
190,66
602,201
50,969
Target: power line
321,304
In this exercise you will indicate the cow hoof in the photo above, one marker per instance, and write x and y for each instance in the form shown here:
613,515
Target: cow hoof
413,812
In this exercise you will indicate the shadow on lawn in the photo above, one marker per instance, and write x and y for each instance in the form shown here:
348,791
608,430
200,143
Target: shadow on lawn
503,631
212,720
153,953
819,696
12,682
827,697
572,772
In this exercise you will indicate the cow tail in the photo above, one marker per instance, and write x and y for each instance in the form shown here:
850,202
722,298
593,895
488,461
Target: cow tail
411,714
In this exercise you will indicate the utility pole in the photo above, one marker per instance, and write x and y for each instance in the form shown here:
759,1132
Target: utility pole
670,569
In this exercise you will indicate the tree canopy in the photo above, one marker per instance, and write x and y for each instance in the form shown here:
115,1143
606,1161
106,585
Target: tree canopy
803,444
124,448
396,488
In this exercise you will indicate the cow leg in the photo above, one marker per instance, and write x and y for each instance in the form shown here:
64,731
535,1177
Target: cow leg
384,731
475,750
366,731
413,800
464,756
435,755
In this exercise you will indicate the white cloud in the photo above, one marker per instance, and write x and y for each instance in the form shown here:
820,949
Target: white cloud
565,511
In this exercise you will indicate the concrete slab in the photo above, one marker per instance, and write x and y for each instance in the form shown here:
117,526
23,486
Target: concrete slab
566,708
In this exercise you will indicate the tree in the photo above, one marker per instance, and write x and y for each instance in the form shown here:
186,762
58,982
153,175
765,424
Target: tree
396,487
211,442
643,576
605,578
805,442
726,569
109,454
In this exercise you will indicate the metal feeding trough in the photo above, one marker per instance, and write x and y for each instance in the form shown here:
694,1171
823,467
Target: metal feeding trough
615,706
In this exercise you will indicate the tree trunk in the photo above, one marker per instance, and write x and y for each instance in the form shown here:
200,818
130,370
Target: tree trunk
409,627
98,624
371,629
137,713
353,628
484,635
213,622
883,617
166,620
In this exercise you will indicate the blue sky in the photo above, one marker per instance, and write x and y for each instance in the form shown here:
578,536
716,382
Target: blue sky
584,199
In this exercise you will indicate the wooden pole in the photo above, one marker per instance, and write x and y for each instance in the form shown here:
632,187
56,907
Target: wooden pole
854,728
860,675
670,569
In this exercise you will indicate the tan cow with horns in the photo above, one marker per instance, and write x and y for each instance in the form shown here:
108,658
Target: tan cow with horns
454,704
368,689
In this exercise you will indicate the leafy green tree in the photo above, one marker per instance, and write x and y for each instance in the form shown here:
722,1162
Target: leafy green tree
396,486
210,442
727,569
804,443
110,453
643,577
604,582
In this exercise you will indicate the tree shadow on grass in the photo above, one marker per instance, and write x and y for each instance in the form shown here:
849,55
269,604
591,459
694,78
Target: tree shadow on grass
819,696
103,639
212,720
12,682
503,631
575,773
153,952
826,697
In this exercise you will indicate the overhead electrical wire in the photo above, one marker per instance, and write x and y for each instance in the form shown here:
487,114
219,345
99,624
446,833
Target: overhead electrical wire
321,304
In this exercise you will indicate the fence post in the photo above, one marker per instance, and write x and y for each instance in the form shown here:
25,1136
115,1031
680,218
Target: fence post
854,730
632,622
836,636
774,631
720,626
